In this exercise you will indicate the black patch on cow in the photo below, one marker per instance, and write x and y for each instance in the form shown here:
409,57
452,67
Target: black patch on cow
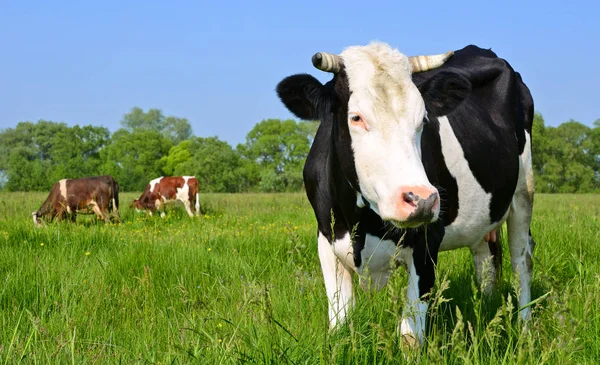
437,171
444,92
341,131
489,124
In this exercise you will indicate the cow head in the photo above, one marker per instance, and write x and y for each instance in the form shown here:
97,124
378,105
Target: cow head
36,219
377,115
137,204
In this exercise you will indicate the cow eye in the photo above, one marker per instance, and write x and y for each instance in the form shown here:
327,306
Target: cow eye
357,121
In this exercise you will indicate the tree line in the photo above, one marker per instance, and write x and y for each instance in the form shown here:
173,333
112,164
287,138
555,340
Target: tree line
33,156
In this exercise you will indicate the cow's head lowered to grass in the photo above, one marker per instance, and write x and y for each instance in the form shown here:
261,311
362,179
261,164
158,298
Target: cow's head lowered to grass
377,115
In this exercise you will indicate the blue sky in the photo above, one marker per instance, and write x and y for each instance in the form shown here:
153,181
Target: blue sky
217,63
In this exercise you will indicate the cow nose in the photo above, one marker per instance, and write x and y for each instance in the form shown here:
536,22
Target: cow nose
417,204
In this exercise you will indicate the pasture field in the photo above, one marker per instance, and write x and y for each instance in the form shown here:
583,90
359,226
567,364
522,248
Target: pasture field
242,284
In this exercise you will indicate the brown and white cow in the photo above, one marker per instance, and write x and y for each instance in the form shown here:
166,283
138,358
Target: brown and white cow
169,189
88,195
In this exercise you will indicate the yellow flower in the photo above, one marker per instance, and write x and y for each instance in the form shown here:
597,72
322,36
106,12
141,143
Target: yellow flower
219,325
209,249
41,244
220,340
87,253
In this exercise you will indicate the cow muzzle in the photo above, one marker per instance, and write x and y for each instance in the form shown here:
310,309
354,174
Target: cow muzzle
36,219
415,206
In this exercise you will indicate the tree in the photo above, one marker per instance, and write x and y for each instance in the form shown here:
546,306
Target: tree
35,156
565,158
137,119
135,158
212,161
280,149
174,128
177,129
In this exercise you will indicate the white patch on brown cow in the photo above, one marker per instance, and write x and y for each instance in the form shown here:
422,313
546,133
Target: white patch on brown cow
63,193
155,182
183,194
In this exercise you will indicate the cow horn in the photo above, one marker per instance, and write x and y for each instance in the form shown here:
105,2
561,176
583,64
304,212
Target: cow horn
425,63
327,62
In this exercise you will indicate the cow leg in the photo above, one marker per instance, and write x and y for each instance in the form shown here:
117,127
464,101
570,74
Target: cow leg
160,207
197,206
420,265
98,212
338,281
521,248
188,208
486,260
518,225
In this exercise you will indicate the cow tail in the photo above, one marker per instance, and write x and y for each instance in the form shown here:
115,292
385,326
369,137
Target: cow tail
198,202
194,186
115,197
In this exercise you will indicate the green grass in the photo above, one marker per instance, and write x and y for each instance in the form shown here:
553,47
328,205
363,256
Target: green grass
243,284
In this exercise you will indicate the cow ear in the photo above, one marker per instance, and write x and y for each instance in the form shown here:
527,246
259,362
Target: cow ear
301,94
444,92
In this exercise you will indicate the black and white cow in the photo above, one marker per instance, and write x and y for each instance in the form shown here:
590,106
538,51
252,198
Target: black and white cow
415,155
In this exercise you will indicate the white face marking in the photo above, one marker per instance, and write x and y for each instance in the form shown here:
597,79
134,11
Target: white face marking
35,220
386,143
338,281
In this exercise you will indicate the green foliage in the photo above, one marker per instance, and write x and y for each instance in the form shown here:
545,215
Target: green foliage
135,158
280,149
174,128
33,156
243,284
212,161
566,158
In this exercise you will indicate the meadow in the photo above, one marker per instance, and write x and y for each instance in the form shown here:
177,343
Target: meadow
242,284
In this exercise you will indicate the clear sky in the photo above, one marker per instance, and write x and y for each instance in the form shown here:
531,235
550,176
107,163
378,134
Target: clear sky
217,62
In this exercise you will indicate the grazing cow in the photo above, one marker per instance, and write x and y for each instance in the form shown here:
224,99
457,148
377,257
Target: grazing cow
163,190
415,155
88,195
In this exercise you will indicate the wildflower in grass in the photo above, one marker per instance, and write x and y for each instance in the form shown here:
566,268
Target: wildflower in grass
41,244
219,325
209,249
87,253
